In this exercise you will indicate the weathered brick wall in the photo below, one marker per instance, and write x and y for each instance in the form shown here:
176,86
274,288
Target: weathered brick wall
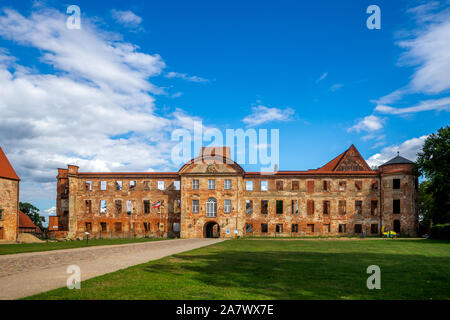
9,202
130,224
407,194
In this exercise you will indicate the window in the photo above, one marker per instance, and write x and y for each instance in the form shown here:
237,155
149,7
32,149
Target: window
146,226
211,184
195,184
264,228
342,228
294,207
358,228
396,206
310,207
1,214
295,185
146,185
326,207
146,206
279,205
88,204
177,185
358,207
342,185
211,207
358,185
102,185
132,185
374,228
118,185
88,226
130,207
118,204
249,228
396,184
88,185
310,228
374,185
249,206
227,185
118,226
342,207
264,206
195,206
397,226
326,185
279,185
102,206
264,185
279,228
326,228
103,226
294,228
227,206
249,185
374,207
310,186
160,185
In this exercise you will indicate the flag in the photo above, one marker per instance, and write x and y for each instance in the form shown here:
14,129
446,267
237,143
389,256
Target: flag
157,204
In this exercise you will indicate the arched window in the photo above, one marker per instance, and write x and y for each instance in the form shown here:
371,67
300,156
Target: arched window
397,226
211,207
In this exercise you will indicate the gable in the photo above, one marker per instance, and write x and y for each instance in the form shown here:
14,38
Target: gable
211,165
349,160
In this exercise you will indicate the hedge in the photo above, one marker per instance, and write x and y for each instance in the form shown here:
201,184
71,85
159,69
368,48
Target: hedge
440,231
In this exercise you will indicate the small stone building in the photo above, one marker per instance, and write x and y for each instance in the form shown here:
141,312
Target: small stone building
212,196
9,200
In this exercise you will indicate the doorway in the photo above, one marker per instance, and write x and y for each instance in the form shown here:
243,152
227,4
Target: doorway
212,230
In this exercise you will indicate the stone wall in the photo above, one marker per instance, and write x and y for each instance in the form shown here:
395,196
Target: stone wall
9,204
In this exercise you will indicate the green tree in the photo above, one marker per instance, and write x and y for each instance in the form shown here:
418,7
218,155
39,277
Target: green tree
33,213
434,163
425,203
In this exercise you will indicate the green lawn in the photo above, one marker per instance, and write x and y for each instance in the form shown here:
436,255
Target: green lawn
47,246
270,269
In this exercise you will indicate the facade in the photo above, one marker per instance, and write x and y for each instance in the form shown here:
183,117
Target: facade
212,196
9,199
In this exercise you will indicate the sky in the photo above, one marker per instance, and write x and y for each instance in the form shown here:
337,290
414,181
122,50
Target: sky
108,96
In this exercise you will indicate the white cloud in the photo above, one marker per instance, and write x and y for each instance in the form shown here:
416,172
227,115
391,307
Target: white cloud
428,105
407,149
96,111
127,18
261,114
186,77
369,124
336,87
323,76
428,50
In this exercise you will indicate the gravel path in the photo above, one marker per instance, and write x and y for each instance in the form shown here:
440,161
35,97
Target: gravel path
25,274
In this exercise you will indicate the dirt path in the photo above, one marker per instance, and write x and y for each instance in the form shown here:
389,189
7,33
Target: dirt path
25,274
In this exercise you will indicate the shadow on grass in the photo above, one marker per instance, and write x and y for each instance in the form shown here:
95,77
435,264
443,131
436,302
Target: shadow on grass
310,275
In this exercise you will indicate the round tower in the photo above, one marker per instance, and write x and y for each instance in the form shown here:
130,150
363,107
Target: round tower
399,186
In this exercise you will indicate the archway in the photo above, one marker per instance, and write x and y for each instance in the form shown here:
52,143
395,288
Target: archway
397,226
212,230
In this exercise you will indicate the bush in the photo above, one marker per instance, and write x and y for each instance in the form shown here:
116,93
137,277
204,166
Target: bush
441,231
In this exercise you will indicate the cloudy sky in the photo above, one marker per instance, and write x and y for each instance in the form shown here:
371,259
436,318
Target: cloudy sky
108,96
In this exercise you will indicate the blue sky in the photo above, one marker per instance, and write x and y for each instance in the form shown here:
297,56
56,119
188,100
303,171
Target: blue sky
107,97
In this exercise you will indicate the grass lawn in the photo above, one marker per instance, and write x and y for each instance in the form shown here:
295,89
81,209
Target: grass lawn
268,269
47,246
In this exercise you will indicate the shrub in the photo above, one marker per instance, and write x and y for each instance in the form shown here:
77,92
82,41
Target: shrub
441,231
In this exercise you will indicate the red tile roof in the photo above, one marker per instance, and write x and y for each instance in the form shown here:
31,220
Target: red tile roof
25,221
6,170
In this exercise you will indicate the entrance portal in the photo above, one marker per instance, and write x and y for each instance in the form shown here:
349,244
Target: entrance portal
212,230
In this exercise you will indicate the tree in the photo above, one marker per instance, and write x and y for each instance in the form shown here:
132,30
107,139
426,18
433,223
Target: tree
434,163
425,203
33,213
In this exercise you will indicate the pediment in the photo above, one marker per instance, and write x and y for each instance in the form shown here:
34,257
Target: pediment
352,161
211,166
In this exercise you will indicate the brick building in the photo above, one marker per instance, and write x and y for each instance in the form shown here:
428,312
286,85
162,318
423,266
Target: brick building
212,195
9,199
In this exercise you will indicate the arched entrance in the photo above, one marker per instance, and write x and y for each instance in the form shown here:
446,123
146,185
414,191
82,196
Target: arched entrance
211,230
397,226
